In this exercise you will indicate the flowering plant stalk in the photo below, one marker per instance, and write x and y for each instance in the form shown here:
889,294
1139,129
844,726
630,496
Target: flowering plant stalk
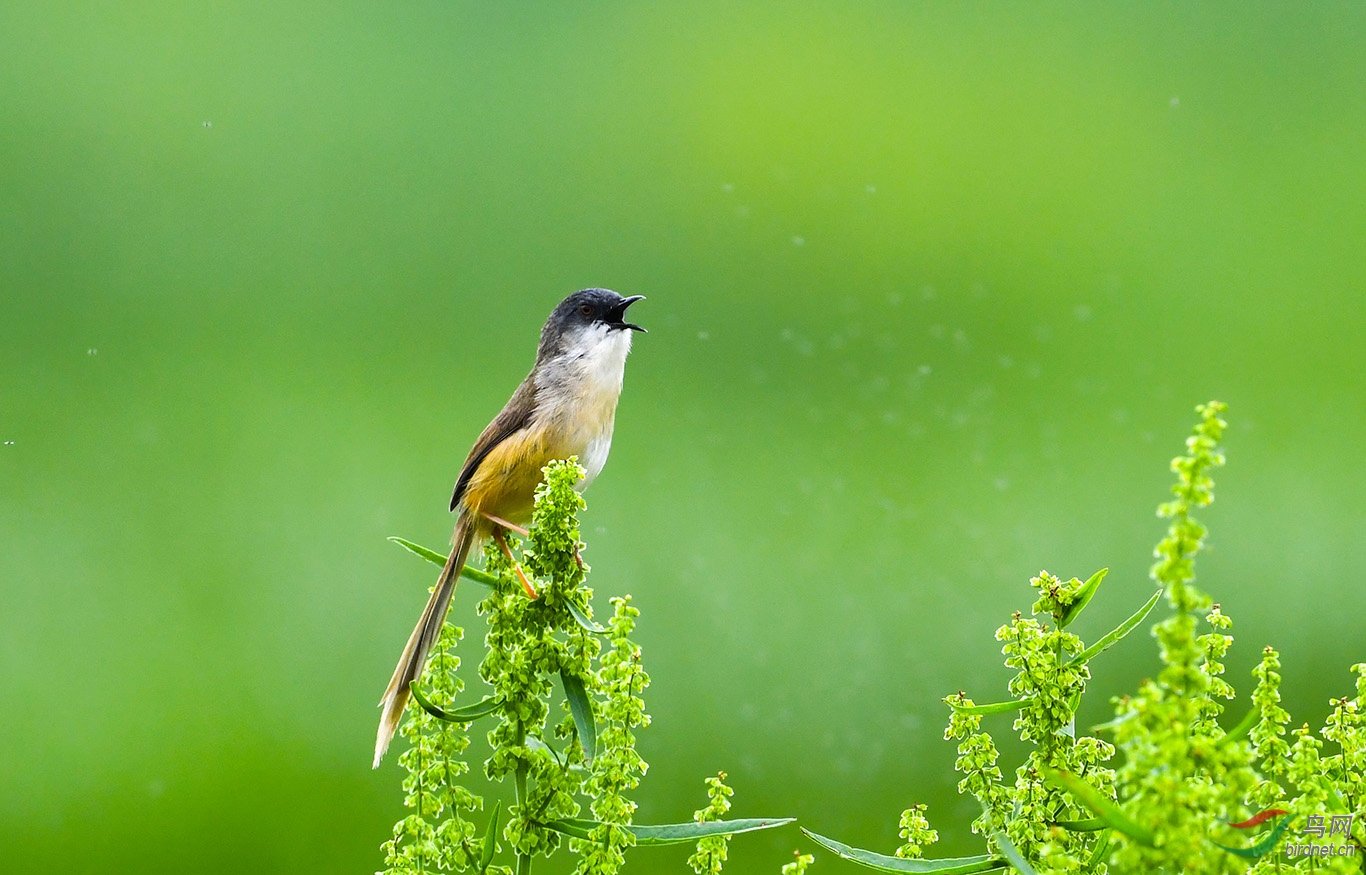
1188,795
558,761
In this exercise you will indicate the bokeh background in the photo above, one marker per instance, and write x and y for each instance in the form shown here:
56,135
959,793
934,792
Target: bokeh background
933,290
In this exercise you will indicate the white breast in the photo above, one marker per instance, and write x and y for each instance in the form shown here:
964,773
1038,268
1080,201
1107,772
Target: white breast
594,456
577,394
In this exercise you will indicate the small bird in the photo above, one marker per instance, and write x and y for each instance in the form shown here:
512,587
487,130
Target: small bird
565,407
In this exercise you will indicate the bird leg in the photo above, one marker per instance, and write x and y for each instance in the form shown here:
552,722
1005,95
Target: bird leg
516,566
512,527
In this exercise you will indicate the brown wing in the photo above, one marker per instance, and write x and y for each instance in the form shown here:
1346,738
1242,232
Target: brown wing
514,417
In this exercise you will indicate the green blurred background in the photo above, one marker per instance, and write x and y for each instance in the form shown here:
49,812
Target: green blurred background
932,289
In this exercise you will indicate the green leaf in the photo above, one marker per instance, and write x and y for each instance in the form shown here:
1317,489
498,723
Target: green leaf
430,555
677,833
1104,808
584,620
460,715
1093,825
1263,847
573,827
1088,590
490,843
582,709
884,863
1118,632
1243,728
436,558
671,833
1102,847
994,708
1009,851
535,744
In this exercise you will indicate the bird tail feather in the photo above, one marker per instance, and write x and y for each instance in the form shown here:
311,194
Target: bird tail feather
420,642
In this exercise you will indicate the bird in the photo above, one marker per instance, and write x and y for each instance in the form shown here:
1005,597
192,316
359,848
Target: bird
566,406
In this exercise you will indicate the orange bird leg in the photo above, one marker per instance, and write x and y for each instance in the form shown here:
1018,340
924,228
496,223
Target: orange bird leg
502,542
512,527
507,525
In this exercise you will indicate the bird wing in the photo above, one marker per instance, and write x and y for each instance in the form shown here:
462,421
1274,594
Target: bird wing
514,417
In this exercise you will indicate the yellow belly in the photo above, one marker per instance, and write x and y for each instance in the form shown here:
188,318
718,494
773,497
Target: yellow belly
505,483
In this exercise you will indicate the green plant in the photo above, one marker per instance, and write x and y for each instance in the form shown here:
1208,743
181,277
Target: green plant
1183,783
557,762
711,851
798,866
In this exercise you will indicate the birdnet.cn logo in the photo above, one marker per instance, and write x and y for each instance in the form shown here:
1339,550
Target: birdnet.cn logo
1334,834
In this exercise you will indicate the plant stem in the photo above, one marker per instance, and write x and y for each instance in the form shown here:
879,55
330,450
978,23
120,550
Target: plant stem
421,811
519,784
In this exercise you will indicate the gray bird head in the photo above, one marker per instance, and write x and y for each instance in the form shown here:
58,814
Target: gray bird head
586,312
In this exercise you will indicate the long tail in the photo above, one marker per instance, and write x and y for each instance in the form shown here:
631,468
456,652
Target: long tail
415,652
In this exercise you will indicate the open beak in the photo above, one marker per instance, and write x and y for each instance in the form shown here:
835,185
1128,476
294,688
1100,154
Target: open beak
617,317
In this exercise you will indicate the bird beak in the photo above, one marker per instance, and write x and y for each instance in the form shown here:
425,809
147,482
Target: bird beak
617,317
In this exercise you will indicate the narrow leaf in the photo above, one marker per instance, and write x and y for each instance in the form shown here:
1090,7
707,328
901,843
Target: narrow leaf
671,833
436,558
1118,632
577,829
993,708
1103,807
1101,849
534,743
1264,846
430,555
1093,825
1088,590
884,863
677,833
584,620
467,714
490,839
1016,859
582,709
1243,728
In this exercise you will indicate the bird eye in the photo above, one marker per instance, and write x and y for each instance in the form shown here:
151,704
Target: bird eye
586,310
